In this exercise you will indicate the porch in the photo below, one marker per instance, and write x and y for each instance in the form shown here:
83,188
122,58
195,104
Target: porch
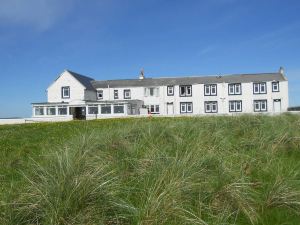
86,110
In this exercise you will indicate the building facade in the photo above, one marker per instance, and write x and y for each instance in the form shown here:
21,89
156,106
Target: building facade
75,96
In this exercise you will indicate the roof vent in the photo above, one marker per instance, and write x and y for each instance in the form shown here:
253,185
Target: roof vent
281,70
142,76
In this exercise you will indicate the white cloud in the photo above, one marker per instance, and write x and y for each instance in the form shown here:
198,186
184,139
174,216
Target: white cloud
40,14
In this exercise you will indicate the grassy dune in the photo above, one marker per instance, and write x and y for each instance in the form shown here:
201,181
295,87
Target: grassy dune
166,171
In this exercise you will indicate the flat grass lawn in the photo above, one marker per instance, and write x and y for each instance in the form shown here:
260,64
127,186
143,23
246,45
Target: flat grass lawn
148,171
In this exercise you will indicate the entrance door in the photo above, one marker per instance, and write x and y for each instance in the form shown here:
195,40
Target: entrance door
277,105
170,108
78,113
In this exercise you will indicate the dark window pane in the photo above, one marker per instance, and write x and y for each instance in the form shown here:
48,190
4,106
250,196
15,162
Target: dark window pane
105,109
93,109
62,111
119,109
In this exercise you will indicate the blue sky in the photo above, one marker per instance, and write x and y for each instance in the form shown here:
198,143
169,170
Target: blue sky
114,39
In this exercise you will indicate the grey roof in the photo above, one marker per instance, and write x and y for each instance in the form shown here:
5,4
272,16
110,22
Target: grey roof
238,78
84,80
49,103
134,101
115,101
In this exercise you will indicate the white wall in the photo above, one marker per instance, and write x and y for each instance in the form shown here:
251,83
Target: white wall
247,97
77,90
78,96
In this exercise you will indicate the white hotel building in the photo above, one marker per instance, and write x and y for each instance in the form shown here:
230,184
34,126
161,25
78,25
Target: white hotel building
74,96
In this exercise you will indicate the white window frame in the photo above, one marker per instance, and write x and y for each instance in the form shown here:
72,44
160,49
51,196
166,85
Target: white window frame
208,106
255,88
186,107
153,109
127,94
48,110
118,105
170,90
235,104
275,86
100,94
63,94
39,109
106,105
62,107
93,106
116,94
261,88
210,90
187,90
235,89
151,91
257,105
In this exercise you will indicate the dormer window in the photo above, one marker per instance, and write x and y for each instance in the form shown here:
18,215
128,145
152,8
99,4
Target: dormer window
275,86
100,94
65,92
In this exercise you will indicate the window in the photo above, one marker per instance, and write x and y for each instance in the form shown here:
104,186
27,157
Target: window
100,94
65,92
119,108
211,107
51,111
105,109
116,94
260,106
170,90
127,94
235,106
151,91
39,111
260,88
186,107
185,90
132,109
93,109
234,89
153,109
62,110
275,86
210,90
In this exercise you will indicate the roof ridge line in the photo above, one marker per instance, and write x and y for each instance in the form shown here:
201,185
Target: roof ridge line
190,76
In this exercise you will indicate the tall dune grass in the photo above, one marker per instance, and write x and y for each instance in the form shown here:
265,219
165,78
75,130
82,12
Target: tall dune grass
214,170
73,187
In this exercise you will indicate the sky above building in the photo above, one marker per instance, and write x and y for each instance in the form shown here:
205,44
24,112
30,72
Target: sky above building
114,39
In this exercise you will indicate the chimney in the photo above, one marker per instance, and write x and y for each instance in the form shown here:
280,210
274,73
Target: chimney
281,70
142,76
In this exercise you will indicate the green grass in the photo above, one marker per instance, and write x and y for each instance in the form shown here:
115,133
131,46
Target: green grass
166,171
